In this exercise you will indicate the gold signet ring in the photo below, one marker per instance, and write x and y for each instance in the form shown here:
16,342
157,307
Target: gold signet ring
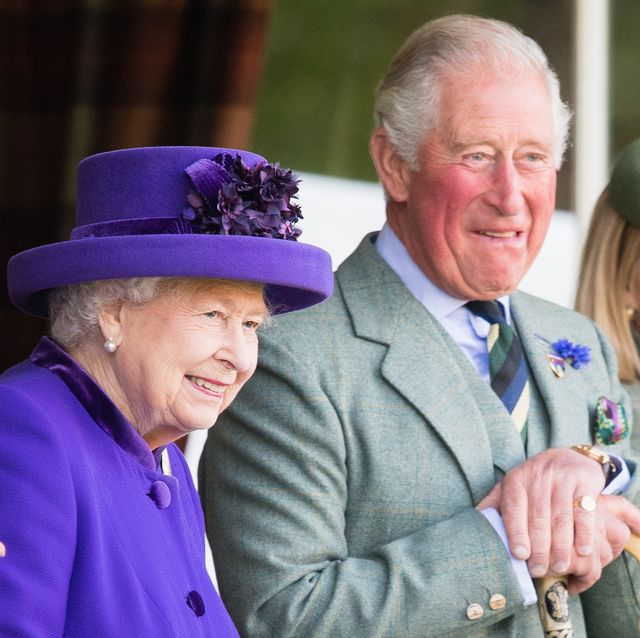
586,503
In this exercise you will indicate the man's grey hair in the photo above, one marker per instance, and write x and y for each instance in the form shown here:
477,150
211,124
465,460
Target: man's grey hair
408,97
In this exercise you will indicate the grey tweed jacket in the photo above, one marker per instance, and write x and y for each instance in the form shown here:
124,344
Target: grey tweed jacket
339,488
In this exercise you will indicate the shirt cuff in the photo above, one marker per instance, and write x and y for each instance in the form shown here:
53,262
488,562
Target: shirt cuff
519,566
623,477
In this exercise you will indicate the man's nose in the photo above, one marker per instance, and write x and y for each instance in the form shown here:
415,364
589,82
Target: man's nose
505,192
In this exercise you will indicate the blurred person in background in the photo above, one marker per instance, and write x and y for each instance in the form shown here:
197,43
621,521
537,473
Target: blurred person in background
609,280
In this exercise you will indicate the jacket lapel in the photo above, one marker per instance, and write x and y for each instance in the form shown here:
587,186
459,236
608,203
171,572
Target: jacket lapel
558,419
429,370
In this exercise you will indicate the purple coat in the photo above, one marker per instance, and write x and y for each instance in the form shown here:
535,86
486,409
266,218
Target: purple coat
99,541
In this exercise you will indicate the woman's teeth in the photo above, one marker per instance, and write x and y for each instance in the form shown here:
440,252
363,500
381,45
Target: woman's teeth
207,385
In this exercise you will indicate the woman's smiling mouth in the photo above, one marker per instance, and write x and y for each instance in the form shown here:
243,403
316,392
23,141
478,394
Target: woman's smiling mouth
206,384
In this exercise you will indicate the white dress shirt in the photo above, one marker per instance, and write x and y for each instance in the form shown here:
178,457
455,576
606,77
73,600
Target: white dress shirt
468,330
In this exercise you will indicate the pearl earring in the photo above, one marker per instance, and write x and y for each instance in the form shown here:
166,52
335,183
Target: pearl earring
630,312
110,345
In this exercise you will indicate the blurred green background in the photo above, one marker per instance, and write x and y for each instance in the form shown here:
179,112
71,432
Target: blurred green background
325,58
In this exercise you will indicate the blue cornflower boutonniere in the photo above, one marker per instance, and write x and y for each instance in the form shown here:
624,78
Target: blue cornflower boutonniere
574,354
565,352
611,422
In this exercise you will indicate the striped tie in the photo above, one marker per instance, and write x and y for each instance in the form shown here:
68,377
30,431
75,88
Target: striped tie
507,365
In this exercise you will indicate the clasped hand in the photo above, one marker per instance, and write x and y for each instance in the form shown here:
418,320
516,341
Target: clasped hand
536,501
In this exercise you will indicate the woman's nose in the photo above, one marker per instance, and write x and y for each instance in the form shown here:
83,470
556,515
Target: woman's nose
238,350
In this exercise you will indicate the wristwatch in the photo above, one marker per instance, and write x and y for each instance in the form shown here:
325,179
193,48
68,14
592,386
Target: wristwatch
610,468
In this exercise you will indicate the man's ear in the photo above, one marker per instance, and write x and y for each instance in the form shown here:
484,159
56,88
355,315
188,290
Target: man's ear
392,170
110,322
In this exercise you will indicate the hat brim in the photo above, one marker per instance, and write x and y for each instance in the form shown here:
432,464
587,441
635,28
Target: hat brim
295,275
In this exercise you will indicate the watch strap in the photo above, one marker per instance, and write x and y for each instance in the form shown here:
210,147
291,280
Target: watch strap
610,465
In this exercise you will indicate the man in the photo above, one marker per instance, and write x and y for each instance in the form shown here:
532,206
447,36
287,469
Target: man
371,482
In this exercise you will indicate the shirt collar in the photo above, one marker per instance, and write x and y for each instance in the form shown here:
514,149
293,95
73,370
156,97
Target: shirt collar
436,301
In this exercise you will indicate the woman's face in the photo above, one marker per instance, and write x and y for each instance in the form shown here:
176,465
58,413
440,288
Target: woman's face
183,357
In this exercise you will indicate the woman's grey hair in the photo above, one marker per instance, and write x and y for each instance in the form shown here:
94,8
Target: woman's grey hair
407,99
74,310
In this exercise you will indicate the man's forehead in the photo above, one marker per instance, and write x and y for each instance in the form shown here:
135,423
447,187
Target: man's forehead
480,109
464,141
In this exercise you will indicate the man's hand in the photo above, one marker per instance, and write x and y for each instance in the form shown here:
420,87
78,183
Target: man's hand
615,518
537,503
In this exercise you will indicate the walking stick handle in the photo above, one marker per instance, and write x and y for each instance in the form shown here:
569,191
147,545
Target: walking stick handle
633,546
553,598
553,605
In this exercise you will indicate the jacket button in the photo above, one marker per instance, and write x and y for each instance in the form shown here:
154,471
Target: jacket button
160,494
497,602
474,611
195,602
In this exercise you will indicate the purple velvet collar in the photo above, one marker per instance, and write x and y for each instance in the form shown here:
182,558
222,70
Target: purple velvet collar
47,354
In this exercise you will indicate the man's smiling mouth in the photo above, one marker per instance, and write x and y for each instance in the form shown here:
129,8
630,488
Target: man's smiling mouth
503,235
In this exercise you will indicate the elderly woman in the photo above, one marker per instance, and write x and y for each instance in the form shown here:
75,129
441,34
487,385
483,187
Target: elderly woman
609,280
179,255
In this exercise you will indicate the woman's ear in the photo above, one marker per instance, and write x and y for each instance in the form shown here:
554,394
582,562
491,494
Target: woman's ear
393,172
110,322
632,292
630,302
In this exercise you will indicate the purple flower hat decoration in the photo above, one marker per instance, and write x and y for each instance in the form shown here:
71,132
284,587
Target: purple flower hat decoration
231,198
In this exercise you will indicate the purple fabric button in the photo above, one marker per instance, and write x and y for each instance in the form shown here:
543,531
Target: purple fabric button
160,494
195,602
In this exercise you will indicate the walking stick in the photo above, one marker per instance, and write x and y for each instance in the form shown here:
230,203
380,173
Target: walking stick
553,598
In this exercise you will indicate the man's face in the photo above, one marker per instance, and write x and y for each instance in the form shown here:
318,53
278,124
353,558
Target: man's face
475,214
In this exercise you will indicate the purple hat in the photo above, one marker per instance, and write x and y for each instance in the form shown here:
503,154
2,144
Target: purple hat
180,211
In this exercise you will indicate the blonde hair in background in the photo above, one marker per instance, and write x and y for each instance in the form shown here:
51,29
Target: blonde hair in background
609,257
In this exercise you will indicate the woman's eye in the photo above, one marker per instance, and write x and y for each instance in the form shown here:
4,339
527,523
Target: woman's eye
251,325
213,314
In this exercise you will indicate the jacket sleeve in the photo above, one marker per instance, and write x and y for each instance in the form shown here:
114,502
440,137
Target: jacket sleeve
37,520
274,485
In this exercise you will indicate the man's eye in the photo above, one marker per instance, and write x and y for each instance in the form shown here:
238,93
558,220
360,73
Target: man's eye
477,157
533,160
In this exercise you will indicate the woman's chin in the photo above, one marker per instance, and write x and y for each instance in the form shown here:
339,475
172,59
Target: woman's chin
206,419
